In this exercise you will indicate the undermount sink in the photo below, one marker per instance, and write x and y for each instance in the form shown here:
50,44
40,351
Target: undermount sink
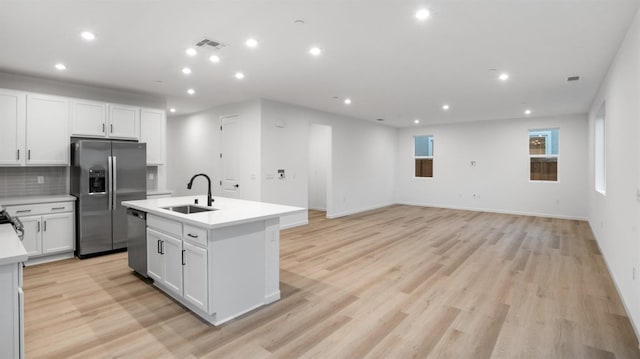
189,209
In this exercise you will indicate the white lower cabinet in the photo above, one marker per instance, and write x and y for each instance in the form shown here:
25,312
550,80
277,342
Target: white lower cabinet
11,311
155,260
173,264
49,228
178,266
195,275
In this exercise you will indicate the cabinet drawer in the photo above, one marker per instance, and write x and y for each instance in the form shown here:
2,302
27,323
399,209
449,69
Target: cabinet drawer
38,209
195,235
165,225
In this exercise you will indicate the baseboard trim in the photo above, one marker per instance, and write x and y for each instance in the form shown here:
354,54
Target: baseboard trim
47,259
359,210
296,224
500,211
615,284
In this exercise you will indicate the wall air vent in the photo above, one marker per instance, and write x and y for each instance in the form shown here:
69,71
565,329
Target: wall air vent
573,78
206,42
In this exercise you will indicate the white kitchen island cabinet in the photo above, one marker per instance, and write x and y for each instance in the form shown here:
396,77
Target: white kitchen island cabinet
220,264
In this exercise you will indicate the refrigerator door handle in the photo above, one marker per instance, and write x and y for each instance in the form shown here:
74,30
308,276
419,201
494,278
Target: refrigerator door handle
110,185
115,183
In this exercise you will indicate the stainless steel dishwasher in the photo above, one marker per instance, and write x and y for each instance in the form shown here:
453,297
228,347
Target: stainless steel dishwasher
137,241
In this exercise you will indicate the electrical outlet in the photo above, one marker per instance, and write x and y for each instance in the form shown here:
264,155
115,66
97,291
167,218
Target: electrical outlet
40,179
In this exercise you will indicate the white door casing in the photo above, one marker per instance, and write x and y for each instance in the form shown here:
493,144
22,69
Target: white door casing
230,139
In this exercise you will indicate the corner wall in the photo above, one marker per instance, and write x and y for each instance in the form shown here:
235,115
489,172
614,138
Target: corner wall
499,181
615,217
362,159
193,146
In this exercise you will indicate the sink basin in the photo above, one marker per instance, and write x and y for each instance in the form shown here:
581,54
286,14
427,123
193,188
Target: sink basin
189,209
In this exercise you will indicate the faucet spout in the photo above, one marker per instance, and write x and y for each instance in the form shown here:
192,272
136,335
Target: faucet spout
209,197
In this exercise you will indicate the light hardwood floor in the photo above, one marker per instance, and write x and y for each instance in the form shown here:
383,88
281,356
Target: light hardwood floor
399,282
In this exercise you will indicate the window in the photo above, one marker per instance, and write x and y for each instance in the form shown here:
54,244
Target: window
424,156
601,166
543,155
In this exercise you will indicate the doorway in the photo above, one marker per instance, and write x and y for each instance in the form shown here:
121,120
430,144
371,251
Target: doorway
320,167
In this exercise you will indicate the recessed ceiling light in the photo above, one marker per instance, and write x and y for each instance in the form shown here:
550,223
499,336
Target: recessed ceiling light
423,14
239,75
186,70
172,110
416,121
445,107
191,51
191,91
527,112
315,51
89,36
60,66
347,101
251,42
503,76
214,58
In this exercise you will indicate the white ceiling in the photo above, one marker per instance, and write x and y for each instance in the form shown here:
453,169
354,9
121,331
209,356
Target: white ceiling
375,52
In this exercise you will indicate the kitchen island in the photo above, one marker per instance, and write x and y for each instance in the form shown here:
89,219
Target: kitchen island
221,261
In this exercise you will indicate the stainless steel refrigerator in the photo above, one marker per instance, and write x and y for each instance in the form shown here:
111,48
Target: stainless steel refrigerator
103,174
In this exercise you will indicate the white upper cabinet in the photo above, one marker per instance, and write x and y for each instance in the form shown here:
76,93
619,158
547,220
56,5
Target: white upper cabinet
12,120
152,132
47,130
124,122
88,118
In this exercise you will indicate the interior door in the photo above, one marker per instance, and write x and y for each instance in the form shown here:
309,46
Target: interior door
230,149
130,170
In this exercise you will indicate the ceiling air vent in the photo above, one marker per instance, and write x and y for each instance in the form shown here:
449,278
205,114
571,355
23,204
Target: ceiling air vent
573,79
206,42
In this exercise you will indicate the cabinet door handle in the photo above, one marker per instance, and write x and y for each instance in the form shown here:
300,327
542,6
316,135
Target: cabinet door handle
57,208
162,247
192,235
183,263
29,154
111,128
38,230
45,226
103,129
158,247
18,154
24,211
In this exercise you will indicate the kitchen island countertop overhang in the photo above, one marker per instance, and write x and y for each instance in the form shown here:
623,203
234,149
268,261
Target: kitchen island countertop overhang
228,211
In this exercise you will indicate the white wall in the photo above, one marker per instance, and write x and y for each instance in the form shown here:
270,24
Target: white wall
500,178
193,146
362,152
615,217
319,165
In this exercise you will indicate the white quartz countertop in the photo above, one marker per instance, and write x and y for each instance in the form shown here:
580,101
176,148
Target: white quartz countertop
228,212
15,201
11,248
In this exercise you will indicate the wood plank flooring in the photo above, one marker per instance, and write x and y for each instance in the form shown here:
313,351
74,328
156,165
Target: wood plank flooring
398,282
